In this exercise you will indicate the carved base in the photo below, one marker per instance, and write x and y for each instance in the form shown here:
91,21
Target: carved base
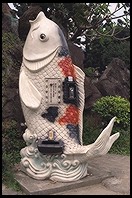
56,168
64,168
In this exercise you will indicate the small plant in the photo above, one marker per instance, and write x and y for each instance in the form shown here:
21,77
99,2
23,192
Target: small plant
90,71
110,106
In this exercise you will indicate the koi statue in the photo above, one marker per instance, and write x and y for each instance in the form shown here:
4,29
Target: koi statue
52,96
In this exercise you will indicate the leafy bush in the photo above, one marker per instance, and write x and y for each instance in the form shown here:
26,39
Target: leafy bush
110,106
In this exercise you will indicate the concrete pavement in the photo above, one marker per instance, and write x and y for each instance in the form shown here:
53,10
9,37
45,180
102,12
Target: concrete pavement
111,176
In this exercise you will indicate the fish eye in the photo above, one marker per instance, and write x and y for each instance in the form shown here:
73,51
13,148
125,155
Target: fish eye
42,36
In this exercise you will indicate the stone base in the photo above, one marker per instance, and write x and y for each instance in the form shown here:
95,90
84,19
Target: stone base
47,187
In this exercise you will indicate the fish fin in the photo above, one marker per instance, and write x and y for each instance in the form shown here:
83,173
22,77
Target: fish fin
29,94
104,142
80,83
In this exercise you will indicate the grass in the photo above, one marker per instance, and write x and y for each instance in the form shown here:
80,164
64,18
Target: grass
9,163
9,180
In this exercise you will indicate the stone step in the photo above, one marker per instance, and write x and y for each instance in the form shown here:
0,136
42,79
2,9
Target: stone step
31,186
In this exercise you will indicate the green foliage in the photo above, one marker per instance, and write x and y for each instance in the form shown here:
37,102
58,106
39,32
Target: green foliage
8,172
94,22
90,71
9,40
101,52
114,49
91,129
12,140
122,145
9,44
110,106
12,143
80,18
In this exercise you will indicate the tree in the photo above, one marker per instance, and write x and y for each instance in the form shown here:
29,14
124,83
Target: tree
92,20
100,52
91,26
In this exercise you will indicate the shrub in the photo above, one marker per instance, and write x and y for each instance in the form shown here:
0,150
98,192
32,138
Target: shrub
110,106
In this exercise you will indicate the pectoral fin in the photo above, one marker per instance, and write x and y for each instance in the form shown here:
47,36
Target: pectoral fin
29,94
80,82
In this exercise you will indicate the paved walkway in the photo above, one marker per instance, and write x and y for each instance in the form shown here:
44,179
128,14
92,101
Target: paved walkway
118,165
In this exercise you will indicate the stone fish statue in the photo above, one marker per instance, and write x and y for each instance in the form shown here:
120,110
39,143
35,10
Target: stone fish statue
52,96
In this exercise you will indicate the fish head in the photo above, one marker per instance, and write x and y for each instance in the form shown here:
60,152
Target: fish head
43,39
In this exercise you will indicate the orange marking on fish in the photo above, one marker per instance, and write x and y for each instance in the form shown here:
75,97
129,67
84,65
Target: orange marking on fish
67,67
71,116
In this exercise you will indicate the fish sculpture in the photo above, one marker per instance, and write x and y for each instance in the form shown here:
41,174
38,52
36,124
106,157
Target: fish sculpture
52,96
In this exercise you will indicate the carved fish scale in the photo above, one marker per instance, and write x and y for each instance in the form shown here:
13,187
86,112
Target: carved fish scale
65,124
